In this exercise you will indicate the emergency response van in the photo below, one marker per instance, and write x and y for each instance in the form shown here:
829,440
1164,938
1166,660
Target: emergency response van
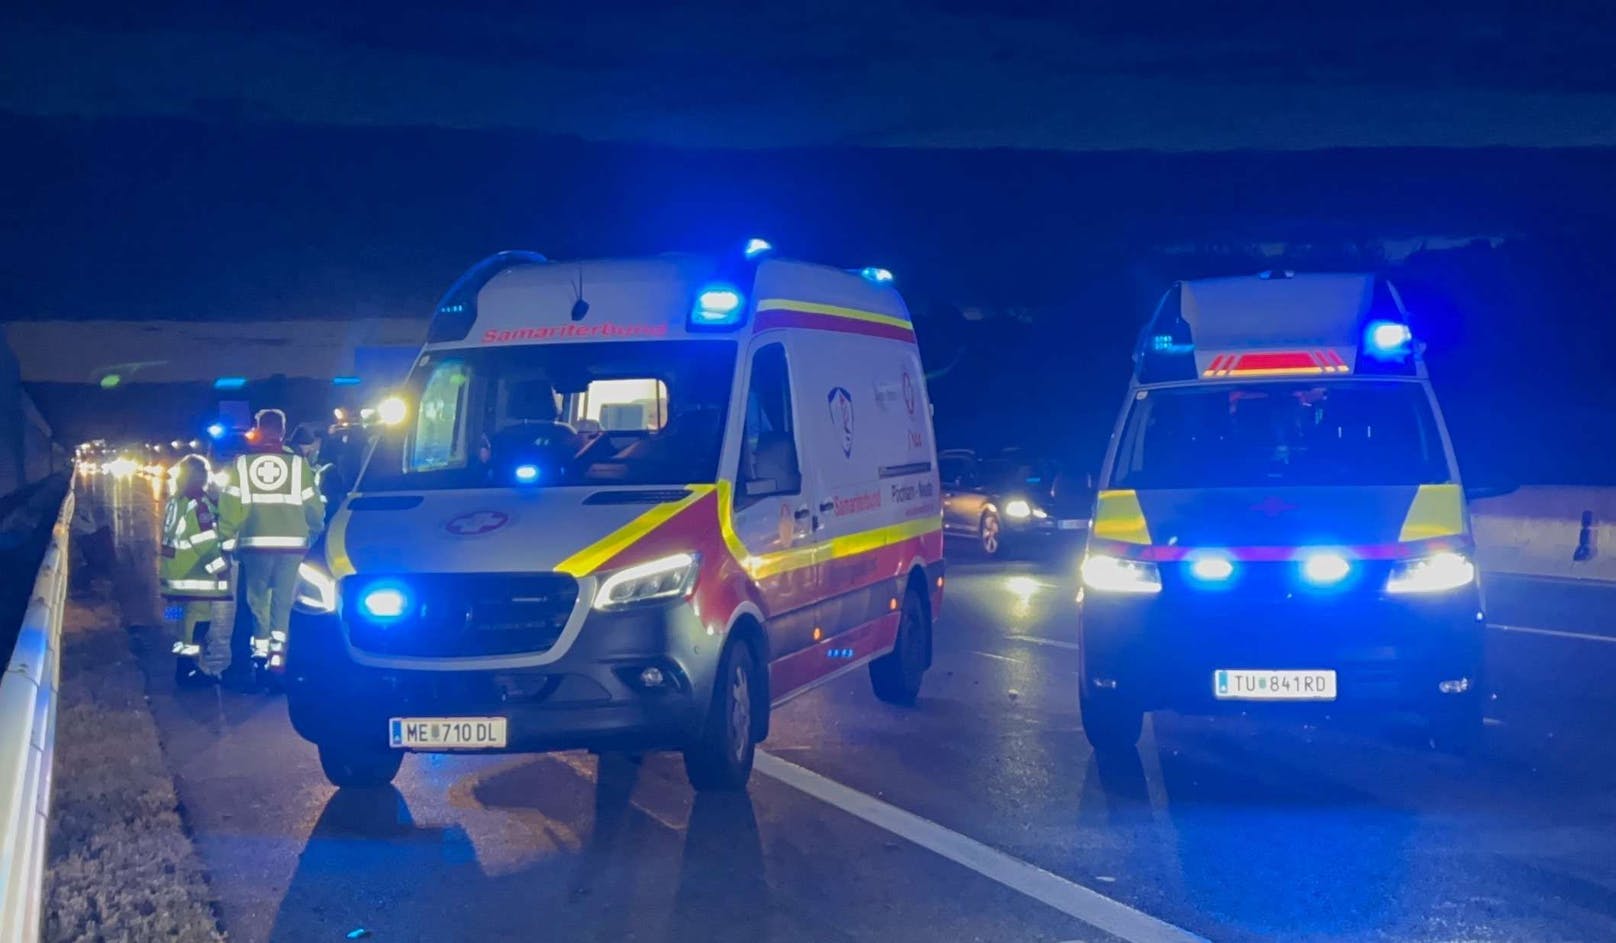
1280,524
627,505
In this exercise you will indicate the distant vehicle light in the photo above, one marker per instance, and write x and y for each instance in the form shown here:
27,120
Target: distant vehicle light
1387,339
1017,509
527,474
1325,569
345,381
1212,569
229,383
879,276
216,430
756,247
122,467
385,602
392,410
717,306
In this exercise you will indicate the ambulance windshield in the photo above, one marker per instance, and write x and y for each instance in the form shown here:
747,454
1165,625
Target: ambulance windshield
1280,434
609,413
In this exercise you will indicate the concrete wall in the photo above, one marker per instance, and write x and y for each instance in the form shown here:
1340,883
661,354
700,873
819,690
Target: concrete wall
1538,531
27,453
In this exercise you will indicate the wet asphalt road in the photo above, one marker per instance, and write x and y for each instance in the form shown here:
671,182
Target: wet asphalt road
1229,829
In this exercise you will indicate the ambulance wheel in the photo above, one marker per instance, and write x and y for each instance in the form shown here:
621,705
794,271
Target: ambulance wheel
721,760
350,767
1110,724
896,675
990,538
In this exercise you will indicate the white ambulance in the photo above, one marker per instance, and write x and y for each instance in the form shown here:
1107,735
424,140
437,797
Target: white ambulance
627,505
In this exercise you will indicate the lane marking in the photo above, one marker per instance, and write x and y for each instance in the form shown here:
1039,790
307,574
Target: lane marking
1074,900
1013,661
1552,632
1052,643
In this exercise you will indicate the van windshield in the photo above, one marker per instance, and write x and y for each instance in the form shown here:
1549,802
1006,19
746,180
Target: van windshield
613,412
1277,434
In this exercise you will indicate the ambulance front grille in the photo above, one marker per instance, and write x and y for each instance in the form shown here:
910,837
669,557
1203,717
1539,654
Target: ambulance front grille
461,615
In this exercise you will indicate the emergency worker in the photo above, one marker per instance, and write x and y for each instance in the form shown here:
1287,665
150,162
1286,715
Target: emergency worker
269,513
193,573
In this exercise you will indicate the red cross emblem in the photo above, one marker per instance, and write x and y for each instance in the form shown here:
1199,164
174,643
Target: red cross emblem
476,523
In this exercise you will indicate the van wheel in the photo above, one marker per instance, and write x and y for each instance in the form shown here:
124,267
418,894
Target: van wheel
721,761
896,675
1110,724
989,536
349,767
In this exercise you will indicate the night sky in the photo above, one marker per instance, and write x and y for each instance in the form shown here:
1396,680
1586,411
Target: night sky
1176,75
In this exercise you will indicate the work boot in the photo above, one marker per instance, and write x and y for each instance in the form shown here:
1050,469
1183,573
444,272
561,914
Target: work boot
189,674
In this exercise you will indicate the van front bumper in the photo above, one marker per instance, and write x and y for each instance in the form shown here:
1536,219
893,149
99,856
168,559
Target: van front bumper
593,696
1389,655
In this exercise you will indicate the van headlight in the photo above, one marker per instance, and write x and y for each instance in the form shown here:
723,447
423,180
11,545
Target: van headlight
1437,573
316,590
1108,574
665,578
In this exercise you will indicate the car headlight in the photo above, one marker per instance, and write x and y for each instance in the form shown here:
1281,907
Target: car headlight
1107,574
316,590
1436,573
1018,509
666,578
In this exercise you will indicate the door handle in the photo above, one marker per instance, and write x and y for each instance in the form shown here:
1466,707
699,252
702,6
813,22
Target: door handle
800,513
825,507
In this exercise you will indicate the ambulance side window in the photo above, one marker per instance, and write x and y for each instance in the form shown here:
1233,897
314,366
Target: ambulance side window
769,440
439,439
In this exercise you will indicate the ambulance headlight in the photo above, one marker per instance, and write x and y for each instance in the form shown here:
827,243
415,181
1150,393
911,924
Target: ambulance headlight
1108,574
667,578
1437,573
316,590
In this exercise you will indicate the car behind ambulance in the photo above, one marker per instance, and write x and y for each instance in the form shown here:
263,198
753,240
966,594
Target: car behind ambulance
1280,524
627,505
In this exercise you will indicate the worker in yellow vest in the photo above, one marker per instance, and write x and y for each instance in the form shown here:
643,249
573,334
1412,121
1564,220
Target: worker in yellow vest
269,513
192,572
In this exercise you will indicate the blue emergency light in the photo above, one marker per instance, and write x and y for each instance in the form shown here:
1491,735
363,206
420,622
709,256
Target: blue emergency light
1212,569
1387,340
756,248
345,381
717,305
229,383
385,602
216,430
878,276
526,474
1325,568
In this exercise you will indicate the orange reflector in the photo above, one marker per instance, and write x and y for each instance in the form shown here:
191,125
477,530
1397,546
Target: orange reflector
818,633
893,605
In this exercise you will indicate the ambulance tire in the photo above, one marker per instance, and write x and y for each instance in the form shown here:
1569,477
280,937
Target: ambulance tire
350,767
896,676
721,760
1110,724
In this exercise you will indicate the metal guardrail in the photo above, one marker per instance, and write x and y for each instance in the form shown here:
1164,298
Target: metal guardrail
28,739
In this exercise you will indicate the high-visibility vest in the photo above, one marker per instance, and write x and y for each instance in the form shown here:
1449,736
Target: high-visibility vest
272,502
192,565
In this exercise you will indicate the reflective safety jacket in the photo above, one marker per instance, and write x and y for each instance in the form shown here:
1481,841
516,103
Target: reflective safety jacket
272,502
192,565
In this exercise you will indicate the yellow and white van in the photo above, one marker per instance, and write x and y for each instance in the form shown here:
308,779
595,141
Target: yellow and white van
627,505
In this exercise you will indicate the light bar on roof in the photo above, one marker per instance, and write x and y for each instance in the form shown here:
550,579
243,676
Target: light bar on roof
1276,363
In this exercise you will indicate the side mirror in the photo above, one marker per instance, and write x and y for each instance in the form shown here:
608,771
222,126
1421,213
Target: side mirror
1476,491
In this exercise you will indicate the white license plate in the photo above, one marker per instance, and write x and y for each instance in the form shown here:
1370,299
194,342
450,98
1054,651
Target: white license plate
1071,524
447,733
1258,685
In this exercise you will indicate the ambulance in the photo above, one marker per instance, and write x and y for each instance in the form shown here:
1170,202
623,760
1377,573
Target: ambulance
627,506
1280,527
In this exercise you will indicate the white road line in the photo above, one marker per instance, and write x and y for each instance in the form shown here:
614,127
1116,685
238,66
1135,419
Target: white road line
1052,643
1074,900
1014,661
1576,635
